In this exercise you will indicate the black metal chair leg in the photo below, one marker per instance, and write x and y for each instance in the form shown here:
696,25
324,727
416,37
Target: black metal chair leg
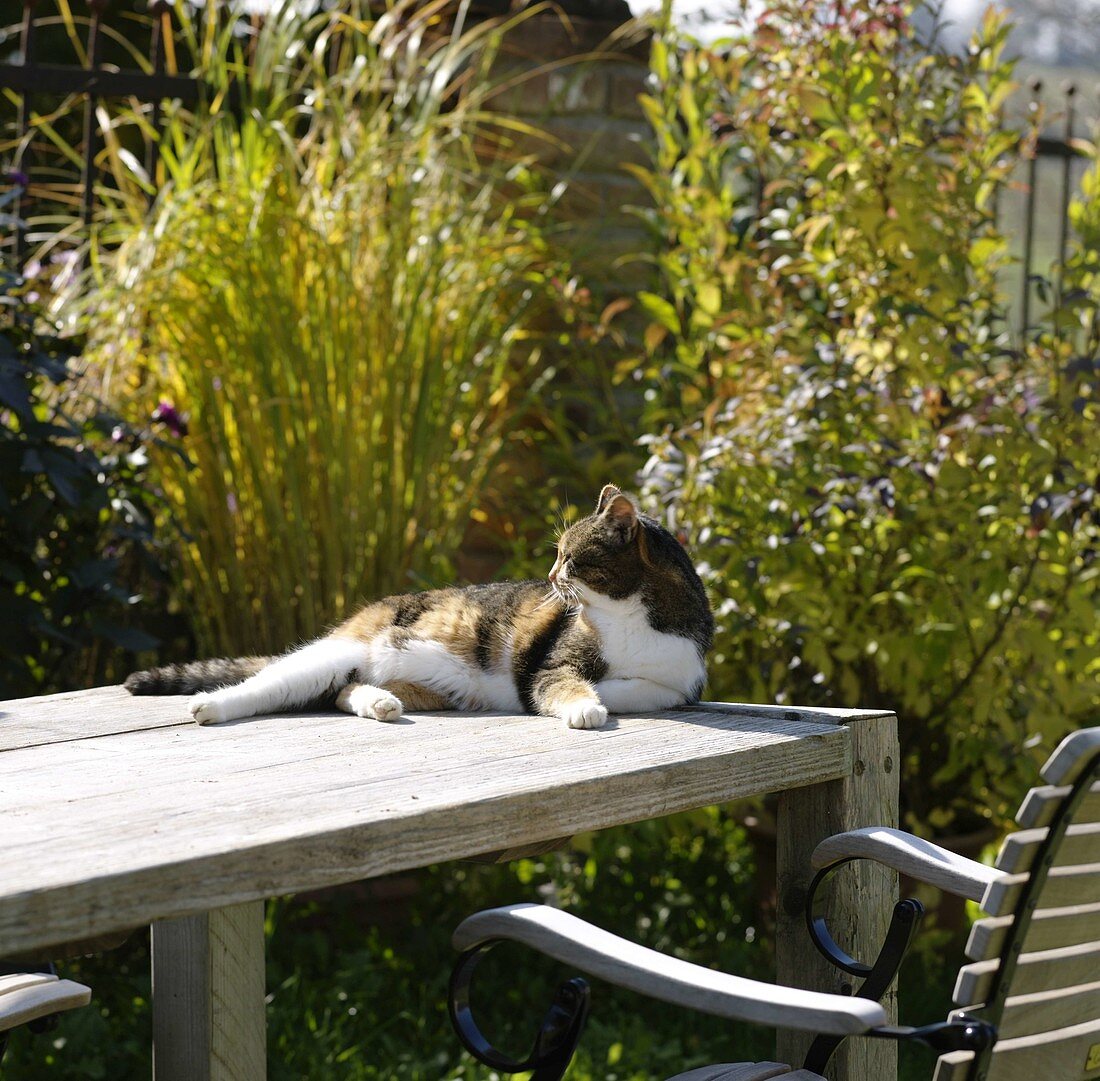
877,977
558,1035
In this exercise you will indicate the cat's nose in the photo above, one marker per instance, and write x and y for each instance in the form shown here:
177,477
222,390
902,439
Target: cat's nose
553,575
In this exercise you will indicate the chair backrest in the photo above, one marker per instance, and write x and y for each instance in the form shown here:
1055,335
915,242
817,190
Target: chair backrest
1036,958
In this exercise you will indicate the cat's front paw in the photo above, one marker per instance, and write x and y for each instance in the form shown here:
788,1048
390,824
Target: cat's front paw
585,713
206,709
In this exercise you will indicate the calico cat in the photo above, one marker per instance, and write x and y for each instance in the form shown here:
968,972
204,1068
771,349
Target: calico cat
625,626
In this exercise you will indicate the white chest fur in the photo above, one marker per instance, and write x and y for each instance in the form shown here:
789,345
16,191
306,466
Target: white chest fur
634,650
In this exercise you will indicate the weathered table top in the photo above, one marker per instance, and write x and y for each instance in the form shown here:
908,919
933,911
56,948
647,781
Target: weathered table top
117,811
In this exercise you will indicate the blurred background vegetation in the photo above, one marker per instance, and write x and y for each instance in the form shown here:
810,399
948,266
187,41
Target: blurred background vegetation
343,335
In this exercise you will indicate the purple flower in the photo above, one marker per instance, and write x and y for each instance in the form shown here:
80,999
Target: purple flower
170,417
17,177
231,503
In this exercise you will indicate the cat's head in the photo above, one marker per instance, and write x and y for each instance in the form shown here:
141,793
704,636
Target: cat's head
617,553
602,553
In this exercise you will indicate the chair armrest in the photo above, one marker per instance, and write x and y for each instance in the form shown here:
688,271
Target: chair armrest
910,855
626,964
28,996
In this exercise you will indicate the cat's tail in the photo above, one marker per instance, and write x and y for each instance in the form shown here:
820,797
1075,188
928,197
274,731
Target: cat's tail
195,676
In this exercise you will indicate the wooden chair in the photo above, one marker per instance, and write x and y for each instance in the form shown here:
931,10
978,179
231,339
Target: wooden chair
1028,1004
35,999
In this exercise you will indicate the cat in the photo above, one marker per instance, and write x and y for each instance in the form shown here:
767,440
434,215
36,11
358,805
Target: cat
625,626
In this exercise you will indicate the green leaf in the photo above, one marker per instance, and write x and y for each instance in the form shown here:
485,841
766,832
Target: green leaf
661,310
709,298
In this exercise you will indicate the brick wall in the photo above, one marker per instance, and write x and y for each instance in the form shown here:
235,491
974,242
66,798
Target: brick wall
578,80
586,103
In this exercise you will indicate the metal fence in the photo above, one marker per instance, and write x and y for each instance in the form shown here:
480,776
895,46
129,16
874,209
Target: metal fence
1059,157
33,80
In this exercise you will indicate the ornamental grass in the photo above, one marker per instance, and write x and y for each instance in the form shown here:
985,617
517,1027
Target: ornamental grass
335,289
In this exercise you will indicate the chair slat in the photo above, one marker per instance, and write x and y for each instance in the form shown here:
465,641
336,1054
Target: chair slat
1050,929
1068,1054
737,1071
1081,844
1040,804
1071,756
1025,1015
1044,970
1078,884
954,1067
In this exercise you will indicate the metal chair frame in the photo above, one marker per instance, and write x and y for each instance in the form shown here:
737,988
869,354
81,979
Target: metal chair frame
975,1031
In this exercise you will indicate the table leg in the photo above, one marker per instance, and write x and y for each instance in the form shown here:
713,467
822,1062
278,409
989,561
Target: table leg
208,996
861,898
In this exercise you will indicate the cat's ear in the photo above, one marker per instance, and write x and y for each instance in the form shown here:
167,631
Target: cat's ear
621,515
609,492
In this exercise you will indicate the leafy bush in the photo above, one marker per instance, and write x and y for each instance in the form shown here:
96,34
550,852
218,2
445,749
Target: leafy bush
76,510
341,298
896,504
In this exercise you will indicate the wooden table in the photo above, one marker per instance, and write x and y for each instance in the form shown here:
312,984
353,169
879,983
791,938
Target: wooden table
118,812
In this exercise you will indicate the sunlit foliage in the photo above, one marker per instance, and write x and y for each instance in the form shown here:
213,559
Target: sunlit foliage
896,502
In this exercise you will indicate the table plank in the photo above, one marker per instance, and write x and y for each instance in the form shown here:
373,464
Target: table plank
160,819
76,715
813,714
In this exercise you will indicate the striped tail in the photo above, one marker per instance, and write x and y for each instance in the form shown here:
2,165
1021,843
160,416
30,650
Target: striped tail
195,676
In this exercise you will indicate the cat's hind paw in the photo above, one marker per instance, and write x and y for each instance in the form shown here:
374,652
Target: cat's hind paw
385,707
206,709
366,701
585,713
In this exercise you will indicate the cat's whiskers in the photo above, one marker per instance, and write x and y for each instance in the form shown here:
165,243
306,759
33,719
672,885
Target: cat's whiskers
565,594
550,598
562,520
569,594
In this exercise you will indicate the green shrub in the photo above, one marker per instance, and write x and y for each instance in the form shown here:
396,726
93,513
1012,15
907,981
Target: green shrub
896,504
78,556
341,296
